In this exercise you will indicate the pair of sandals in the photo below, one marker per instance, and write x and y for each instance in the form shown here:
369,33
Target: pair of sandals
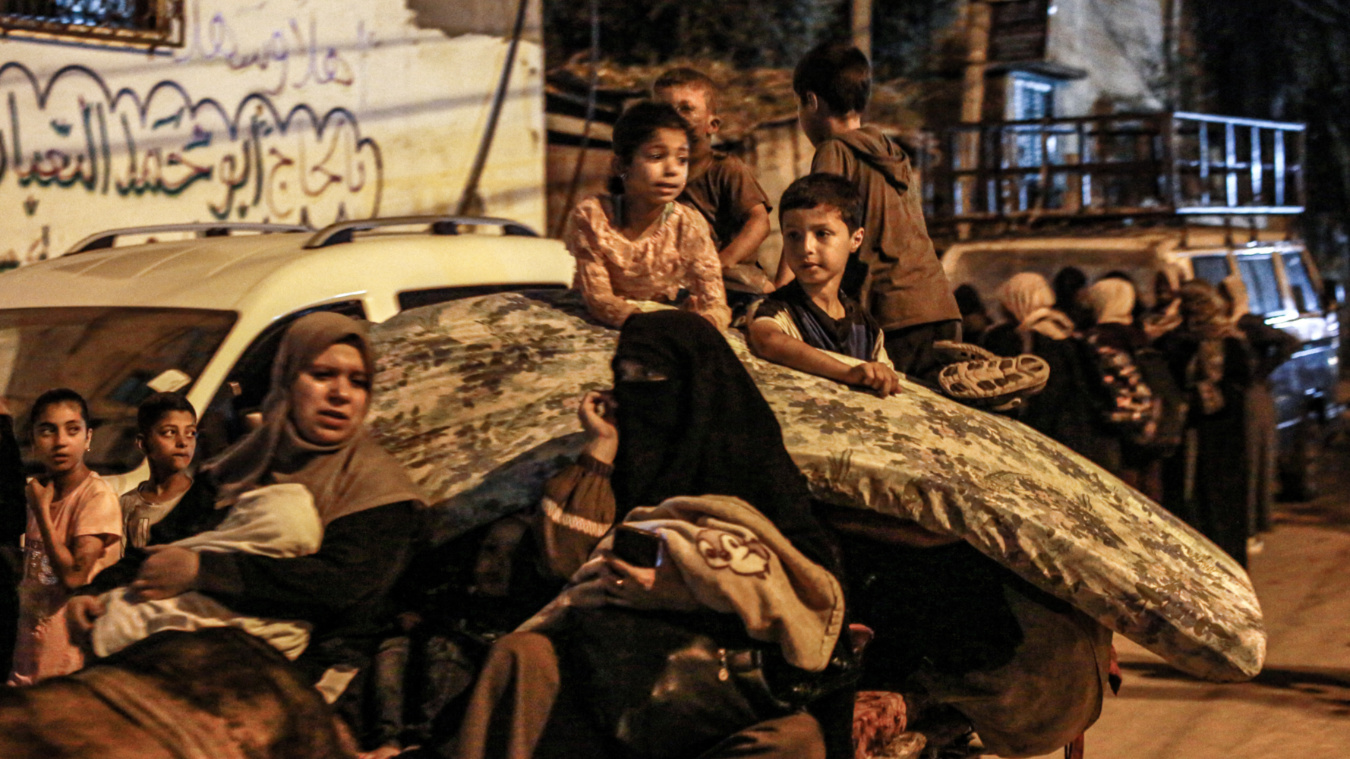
985,380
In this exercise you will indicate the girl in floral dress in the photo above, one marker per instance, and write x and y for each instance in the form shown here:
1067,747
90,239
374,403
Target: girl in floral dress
638,244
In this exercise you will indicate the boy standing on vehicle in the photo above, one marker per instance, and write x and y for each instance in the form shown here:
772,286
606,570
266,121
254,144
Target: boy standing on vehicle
720,186
896,274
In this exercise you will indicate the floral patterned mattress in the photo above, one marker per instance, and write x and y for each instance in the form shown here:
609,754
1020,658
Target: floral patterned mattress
478,399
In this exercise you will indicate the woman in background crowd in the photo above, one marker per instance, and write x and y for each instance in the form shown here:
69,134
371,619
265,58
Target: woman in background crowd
1069,284
975,320
1270,347
1066,409
1211,362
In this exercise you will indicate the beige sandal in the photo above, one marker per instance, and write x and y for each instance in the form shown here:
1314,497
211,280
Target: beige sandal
982,379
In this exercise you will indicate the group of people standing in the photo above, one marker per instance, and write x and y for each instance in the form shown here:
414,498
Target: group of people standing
1174,399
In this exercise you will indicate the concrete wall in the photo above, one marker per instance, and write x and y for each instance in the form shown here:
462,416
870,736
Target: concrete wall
781,153
277,110
1119,43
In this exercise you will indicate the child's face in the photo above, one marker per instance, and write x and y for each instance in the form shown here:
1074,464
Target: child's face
659,168
61,437
817,244
492,570
691,102
172,441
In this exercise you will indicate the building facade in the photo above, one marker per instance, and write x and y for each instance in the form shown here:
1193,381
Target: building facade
147,112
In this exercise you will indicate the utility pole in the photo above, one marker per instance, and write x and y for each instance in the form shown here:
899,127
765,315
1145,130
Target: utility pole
977,60
862,26
978,20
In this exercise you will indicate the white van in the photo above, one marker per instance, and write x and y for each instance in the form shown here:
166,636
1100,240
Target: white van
203,313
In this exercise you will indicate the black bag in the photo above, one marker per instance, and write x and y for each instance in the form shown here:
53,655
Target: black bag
1173,406
1128,404
668,685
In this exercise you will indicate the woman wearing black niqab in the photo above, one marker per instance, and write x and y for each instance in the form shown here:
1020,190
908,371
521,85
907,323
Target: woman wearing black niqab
703,428
689,421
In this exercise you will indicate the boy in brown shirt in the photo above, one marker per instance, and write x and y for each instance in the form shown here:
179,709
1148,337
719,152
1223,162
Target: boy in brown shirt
720,186
897,278
896,275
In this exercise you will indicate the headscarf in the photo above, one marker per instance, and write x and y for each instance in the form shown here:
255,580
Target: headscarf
1112,301
1205,320
706,430
344,478
1204,312
1030,302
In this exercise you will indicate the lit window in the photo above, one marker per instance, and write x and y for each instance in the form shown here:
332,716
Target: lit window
1031,99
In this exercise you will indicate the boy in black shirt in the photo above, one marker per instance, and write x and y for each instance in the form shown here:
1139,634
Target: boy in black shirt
809,324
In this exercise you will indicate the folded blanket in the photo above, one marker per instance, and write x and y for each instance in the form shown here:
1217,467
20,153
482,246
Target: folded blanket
734,560
278,521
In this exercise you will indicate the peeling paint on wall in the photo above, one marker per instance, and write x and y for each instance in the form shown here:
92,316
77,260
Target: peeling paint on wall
491,17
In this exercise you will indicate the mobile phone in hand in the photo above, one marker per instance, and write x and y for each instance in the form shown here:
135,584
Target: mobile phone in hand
635,546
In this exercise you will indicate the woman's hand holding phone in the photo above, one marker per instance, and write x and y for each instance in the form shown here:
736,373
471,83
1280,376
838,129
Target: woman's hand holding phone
645,587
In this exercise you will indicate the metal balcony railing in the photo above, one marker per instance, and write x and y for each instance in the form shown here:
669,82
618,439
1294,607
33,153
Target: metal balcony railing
1162,163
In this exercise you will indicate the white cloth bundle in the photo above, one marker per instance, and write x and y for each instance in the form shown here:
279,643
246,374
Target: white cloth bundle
276,520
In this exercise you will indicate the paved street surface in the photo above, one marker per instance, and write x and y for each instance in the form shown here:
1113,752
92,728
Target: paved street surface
1299,706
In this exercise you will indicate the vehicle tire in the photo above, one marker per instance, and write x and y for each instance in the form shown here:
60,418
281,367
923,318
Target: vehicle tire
1299,473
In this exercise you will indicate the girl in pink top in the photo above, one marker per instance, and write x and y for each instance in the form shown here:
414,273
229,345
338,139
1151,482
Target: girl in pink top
638,243
74,526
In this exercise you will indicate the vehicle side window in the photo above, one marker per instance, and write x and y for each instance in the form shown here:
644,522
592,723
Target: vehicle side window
246,384
1263,290
433,295
1212,269
1300,284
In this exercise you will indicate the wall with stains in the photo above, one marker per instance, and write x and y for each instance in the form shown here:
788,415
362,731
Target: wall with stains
1119,43
297,111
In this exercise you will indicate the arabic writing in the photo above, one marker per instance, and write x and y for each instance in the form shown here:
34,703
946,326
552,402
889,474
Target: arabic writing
250,162
291,56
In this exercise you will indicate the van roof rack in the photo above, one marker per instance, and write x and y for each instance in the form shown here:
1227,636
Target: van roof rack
1167,164
344,231
108,239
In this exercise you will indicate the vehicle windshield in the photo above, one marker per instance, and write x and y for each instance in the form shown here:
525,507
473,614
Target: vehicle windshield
113,356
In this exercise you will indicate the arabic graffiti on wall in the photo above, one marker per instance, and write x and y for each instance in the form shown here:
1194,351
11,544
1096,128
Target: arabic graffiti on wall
291,57
75,136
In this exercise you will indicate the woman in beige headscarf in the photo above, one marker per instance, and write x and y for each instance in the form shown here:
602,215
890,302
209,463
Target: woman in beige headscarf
312,434
1212,362
1270,348
1065,409
1112,300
